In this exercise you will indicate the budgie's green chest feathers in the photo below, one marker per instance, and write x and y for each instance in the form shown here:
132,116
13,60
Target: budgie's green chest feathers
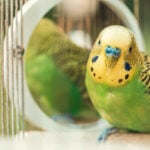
118,80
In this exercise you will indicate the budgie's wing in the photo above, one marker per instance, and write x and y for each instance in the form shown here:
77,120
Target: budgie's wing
145,73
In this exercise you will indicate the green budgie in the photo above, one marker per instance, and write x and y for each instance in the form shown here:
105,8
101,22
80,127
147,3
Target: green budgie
55,70
118,80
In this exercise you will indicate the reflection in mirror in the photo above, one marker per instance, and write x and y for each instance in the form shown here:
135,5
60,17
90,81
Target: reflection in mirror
56,62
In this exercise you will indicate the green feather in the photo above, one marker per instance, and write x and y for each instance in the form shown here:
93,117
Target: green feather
125,107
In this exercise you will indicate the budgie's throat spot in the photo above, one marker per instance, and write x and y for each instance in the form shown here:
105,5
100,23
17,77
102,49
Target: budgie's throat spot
127,66
92,69
120,73
126,76
94,59
120,80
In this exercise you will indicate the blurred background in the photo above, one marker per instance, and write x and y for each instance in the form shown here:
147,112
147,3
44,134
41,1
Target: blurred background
95,15
71,26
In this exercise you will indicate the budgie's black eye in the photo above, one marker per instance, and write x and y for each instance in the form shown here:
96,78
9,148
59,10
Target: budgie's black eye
99,42
130,49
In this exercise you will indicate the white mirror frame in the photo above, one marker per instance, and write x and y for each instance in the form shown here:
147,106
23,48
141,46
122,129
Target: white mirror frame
33,11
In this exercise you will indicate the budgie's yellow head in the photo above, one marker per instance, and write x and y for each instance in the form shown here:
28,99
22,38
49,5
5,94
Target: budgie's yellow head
115,57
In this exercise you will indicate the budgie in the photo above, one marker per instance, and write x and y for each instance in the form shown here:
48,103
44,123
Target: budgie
55,72
118,80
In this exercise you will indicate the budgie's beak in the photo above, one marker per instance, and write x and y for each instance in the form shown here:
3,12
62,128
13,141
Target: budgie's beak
112,55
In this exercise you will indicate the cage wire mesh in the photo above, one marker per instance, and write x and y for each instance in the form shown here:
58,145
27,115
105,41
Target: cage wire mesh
12,121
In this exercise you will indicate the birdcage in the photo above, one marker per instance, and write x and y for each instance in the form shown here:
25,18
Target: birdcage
18,20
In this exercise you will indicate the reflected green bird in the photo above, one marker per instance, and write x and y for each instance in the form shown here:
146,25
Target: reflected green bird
55,71
118,80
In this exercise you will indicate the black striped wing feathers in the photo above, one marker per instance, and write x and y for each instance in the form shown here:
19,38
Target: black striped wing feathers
145,73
